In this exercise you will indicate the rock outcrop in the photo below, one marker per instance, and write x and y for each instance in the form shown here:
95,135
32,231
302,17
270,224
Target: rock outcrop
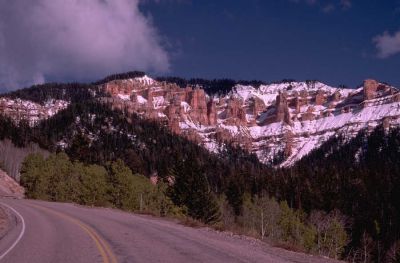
370,89
257,105
320,98
212,113
197,99
282,109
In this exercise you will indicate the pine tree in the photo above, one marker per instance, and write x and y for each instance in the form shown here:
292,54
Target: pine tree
121,186
94,185
234,194
191,190
32,177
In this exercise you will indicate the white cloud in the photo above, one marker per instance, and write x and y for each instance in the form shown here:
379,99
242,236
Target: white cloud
387,44
311,2
328,8
75,39
346,4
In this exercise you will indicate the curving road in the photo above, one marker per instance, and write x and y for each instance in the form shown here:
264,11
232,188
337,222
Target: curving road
57,232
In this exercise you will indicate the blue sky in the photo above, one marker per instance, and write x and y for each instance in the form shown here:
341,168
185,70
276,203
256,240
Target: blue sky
329,40
334,41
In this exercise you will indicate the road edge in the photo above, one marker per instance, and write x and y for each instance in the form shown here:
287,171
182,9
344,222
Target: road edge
20,235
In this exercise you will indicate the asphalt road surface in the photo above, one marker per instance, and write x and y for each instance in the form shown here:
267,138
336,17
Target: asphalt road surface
44,232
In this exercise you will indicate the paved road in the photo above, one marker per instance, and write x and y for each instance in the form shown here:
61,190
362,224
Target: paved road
56,232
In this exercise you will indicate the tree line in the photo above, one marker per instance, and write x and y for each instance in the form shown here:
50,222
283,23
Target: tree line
57,178
72,92
361,178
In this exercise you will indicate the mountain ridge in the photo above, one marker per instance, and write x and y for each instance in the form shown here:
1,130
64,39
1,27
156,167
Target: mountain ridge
279,122
267,120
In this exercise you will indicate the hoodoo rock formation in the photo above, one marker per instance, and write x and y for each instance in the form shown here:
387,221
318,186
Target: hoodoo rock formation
282,109
292,118
370,89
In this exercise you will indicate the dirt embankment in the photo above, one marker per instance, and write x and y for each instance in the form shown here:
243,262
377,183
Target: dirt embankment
9,187
4,222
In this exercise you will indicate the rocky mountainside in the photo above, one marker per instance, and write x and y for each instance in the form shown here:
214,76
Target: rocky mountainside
19,109
281,122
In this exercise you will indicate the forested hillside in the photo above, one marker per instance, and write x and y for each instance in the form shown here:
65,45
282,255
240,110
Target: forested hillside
361,178
93,133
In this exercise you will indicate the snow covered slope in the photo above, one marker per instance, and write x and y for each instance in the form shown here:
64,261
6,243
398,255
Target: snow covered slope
279,122
29,111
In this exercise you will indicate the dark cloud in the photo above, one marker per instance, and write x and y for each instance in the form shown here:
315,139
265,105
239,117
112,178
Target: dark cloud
57,39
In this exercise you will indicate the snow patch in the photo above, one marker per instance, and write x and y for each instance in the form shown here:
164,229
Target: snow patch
141,100
186,107
124,97
146,80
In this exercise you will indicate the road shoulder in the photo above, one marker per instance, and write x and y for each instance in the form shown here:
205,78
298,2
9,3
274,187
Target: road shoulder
5,222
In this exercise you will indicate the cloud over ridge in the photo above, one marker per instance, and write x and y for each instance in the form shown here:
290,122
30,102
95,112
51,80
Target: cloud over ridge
387,44
75,39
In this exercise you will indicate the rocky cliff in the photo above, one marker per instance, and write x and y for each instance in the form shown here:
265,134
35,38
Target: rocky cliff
281,122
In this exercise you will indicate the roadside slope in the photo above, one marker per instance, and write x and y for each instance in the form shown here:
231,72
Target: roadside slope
9,187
